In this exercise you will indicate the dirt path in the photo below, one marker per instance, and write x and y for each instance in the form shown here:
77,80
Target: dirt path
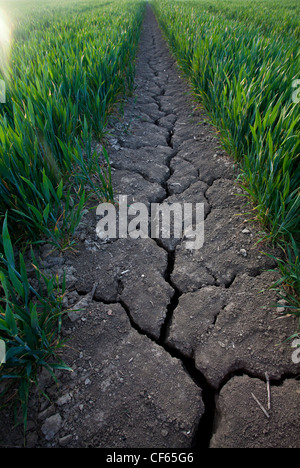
172,344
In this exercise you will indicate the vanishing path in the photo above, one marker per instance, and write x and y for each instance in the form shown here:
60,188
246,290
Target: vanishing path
171,344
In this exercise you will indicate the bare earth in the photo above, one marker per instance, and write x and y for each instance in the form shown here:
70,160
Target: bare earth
172,345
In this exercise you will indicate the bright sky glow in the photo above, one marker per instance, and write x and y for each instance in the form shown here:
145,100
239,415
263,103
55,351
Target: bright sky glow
4,31
5,35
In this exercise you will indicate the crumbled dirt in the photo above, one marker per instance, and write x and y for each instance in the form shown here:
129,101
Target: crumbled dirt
170,344
240,422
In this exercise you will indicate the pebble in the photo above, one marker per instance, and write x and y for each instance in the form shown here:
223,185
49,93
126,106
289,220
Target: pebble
63,441
64,399
51,426
32,440
55,261
46,413
243,252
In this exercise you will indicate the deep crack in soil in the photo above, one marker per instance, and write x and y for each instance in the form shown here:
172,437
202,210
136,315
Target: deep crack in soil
169,344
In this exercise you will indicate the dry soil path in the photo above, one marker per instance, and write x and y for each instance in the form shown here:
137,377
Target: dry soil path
172,345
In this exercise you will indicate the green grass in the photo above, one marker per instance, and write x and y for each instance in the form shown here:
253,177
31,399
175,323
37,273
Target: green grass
30,322
68,63
67,66
242,58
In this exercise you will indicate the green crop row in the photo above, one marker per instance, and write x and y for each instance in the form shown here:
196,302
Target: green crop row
243,59
66,67
65,64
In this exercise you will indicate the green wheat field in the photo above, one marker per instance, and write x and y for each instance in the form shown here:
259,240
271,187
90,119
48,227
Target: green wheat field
66,66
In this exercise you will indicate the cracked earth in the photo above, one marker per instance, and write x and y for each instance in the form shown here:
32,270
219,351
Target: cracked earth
171,345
